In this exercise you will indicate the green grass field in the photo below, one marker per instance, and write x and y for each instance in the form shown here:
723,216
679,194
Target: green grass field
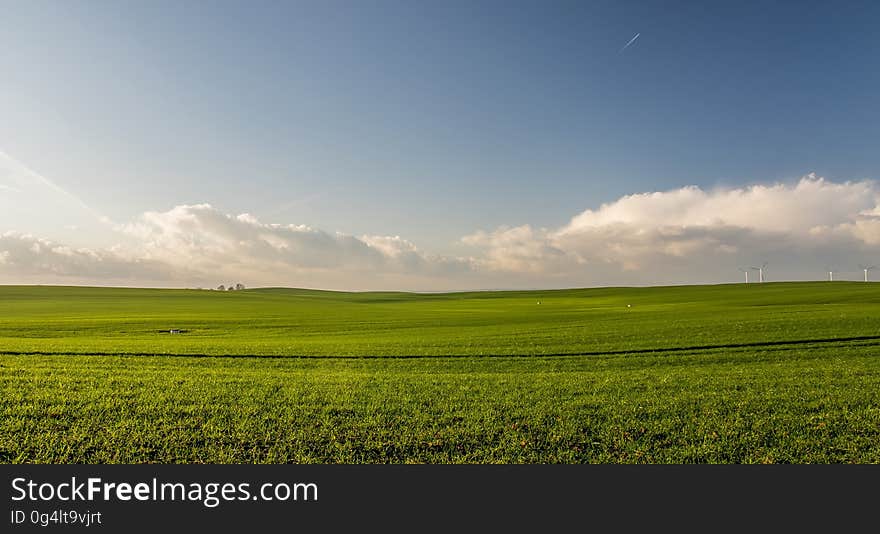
775,372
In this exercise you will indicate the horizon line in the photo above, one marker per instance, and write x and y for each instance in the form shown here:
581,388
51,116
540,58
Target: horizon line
426,292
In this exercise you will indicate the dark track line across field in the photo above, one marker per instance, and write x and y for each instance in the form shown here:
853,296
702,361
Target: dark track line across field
621,352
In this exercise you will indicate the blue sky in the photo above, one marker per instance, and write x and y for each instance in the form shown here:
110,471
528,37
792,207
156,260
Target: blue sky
432,121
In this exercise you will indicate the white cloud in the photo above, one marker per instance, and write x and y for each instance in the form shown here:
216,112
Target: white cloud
204,236
686,235
519,249
689,234
797,208
242,247
33,260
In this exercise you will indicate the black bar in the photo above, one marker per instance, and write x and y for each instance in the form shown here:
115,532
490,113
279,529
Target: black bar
409,498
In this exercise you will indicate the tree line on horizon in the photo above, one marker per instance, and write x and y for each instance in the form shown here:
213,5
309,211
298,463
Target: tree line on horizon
237,287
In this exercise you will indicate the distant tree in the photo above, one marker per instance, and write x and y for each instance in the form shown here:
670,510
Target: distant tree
230,288
239,286
221,287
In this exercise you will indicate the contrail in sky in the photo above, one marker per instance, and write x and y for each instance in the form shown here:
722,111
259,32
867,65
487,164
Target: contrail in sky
23,170
631,41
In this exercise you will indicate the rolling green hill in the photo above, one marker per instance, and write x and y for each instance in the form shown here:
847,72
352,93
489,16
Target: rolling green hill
775,372
291,322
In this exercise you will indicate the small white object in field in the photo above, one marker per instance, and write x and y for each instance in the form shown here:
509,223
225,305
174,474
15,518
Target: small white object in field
629,305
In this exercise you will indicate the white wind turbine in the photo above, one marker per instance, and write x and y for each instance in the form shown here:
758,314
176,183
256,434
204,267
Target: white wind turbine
831,274
760,271
867,268
746,272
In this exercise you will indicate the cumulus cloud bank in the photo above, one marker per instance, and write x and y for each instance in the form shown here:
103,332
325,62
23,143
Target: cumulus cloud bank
28,259
691,234
686,235
207,240
198,245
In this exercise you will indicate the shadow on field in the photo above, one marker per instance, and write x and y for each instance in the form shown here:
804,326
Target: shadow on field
691,348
